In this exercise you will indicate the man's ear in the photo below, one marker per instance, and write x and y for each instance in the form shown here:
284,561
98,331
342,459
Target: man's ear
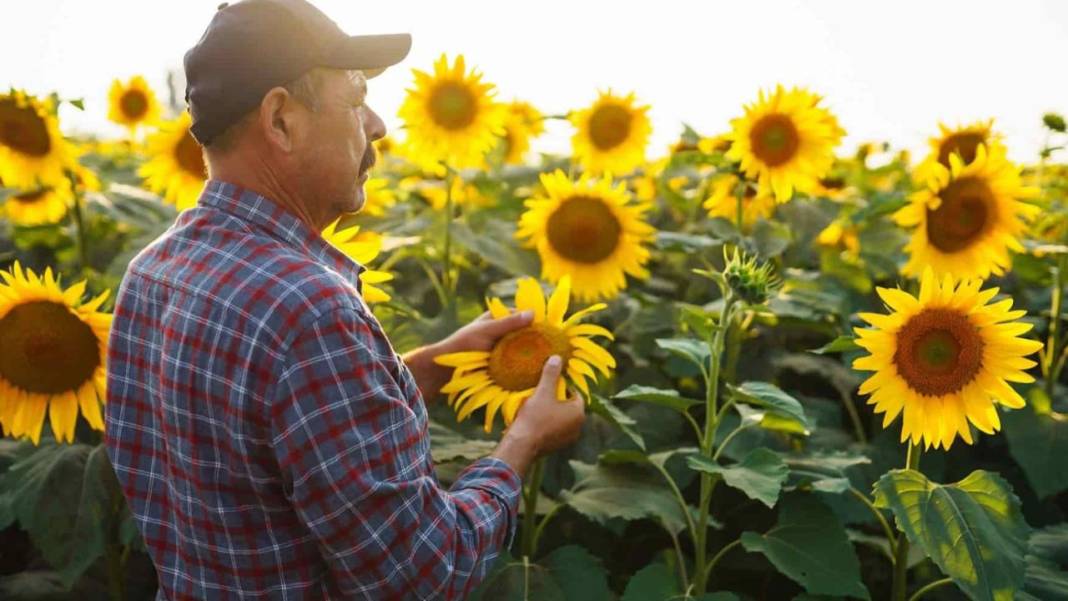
279,118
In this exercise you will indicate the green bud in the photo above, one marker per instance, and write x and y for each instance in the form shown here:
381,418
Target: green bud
749,281
1055,122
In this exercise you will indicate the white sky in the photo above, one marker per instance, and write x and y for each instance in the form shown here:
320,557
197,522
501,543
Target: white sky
889,70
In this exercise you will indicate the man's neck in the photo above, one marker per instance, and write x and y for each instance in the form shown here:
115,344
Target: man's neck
263,180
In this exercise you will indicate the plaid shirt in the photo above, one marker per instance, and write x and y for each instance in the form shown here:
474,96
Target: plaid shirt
270,442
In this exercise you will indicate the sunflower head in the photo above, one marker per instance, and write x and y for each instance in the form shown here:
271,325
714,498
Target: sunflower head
451,115
944,360
963,141
611,134
785,140
522,123
132,104
55,348
39,206
33,153
754,283
362,247
757,203
588,229
968,217
175,168
840,234
502,378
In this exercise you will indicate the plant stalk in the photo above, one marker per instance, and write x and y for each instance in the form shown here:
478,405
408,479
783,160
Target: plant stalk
79,224
901,554
530,509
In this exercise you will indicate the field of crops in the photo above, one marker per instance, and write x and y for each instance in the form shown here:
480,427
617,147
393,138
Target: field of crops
810,373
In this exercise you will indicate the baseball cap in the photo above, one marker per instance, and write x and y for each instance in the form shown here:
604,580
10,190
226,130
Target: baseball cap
255,45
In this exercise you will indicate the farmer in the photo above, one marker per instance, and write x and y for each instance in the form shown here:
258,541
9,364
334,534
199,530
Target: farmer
270,442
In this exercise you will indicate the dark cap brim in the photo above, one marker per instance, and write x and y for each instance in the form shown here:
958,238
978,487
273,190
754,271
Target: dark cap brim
370,53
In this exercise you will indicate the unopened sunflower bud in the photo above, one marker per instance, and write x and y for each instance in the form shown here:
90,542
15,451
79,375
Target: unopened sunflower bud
748,281
1054,122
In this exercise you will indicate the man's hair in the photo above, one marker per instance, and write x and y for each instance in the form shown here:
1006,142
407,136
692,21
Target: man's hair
305,89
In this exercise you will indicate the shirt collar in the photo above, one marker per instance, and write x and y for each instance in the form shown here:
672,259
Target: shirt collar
272,218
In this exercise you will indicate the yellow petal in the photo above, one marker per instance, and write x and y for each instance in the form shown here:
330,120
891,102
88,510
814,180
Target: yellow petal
558,302
63,415
529,296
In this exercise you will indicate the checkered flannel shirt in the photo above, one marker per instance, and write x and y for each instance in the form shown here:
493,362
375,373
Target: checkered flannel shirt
270,442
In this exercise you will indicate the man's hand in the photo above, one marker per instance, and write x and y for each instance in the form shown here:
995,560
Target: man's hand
479,335
543,423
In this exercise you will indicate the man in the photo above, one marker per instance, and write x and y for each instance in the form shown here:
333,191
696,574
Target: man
270,442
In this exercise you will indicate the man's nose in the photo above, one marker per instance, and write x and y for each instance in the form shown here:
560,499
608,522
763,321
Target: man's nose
374,127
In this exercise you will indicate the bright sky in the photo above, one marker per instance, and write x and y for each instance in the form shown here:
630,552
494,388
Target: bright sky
889,70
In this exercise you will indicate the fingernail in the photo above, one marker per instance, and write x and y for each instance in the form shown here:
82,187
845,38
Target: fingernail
524,315
554,361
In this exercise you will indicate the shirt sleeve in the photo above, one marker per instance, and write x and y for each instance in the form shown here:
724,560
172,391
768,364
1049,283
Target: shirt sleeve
354,455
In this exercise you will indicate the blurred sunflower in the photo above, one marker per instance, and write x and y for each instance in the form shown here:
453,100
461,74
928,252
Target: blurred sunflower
963,140
378,197
33,152
589,230
55,351
521,123
362,247
451,115
176,167
611,134
132,104
840,234
723,201
40,206
969,216
503,378
463,194
944,360
785,141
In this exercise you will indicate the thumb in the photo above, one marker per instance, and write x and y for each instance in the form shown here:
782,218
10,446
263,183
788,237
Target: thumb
550,372
500,327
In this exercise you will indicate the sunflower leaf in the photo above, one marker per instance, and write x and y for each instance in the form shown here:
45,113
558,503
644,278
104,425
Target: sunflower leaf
838,345
810,546
692,350
569,573
760,474
973,529
665,397
626,424
1033,439
791,415
606,491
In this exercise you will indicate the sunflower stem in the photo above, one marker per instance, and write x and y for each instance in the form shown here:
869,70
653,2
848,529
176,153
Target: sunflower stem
930,586
446,271
901,553
530,508
740,198
1051,369
79,224
116,558
890,538
708,481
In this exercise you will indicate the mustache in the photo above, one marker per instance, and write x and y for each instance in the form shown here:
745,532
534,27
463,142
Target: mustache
370,157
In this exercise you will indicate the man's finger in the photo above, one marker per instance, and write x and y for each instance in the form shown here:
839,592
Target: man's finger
549,373
500,327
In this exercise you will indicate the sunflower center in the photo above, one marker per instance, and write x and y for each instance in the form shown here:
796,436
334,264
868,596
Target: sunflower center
134,104
47,349
774,139
30,197
609,126
22,129
189,156
964,144
939,351
452,105
962,216
516,361
584,229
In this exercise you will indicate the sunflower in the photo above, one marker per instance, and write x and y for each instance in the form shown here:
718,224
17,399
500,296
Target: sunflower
785,140
40,206
611,134
944,359
840,234
963,140
361,247
176,168
32,151
589,230
463,194
723,201
451,115
968,217
522,122
503,378
378,197
55,352
132,104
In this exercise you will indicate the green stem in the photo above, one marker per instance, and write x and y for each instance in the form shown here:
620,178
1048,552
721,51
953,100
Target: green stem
447,281
730,437
722,552
545,522
890,538
708,481
115,556
930,587
740,196
1052,362
79,224
854,417
530,508
901,554
681,500
679,557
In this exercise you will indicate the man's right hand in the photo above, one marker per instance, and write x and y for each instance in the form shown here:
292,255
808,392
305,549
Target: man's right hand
543,424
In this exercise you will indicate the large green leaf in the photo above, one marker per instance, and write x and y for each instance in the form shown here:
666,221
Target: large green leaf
569,573
1047,564
626,424
774,400
665,397
760,474
603,492
973,529
824,471
809,545
695,351
1033,440
449,445
654,582
493,243
98,518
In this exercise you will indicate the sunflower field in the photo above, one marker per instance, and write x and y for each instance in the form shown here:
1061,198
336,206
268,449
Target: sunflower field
809,374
